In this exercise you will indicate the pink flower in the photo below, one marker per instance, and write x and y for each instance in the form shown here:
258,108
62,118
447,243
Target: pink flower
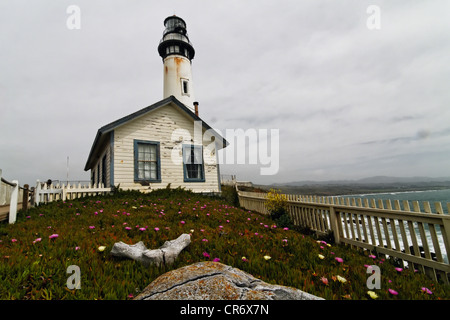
182,222
77,248
13,240
324,280
340,260
399,269
216,260
156,229
142,229
37,240
220,227
53,236
426,290
127,228
393,292
285,229
372,256
91,227
206,255
256,233
205,240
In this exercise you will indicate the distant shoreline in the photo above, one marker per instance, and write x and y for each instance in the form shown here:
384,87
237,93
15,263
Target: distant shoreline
391,193
352,190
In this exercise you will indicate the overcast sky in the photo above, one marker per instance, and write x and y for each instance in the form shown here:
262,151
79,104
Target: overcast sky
349,101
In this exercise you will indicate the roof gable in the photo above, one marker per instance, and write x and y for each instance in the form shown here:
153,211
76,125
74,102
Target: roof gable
105,130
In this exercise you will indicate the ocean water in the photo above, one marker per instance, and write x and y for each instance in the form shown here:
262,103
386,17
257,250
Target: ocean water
432,196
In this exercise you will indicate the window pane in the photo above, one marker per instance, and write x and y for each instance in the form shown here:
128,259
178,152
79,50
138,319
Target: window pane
153,153
147,170
186,154
153,170
197,155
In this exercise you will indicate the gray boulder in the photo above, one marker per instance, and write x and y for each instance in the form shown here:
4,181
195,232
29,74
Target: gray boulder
216,281
166,254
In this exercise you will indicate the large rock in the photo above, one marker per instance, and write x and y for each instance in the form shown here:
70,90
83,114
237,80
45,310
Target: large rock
166,254
216,281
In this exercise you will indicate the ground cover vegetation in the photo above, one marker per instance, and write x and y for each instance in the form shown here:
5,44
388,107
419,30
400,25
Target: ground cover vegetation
36,252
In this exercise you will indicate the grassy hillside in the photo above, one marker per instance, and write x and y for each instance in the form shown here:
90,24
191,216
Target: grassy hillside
36,251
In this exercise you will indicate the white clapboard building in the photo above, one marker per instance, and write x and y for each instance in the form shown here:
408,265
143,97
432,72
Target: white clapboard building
166,142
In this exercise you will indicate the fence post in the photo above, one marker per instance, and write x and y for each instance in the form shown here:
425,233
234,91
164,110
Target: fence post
64,191
334,225
0,186
25,197
13,202
37,193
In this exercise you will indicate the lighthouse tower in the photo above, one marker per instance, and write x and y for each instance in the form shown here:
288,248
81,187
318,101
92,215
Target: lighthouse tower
177,53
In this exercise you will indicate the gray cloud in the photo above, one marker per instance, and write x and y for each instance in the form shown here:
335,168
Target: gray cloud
349,102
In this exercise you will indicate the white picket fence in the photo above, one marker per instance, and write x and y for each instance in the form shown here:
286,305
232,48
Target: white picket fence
45,193
9,198
14,197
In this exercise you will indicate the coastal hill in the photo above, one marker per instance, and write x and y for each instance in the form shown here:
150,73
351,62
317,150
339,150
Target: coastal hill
376,184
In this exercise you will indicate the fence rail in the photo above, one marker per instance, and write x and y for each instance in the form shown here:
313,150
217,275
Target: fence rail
45,193
417,239
14,197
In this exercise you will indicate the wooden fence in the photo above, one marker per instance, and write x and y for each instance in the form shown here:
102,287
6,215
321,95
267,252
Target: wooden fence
417,239
13,197
45,193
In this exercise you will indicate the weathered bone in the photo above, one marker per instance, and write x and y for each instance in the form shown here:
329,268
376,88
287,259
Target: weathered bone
166,254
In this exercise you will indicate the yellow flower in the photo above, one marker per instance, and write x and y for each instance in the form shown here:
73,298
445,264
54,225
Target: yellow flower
267,257
321,256
341,279
101,248
372,294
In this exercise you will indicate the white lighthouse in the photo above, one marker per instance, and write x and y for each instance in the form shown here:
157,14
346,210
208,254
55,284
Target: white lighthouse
177,53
